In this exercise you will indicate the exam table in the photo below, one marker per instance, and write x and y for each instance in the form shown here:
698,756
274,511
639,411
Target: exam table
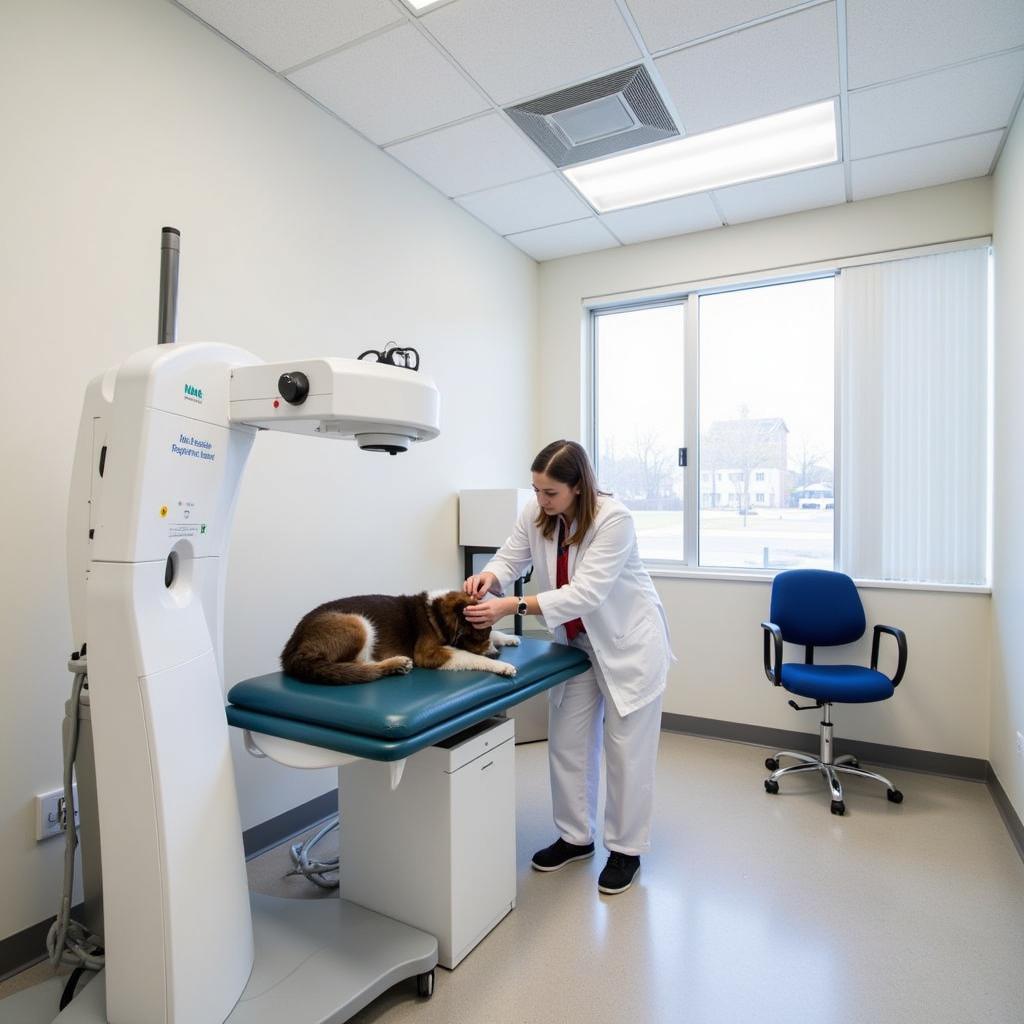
394,717
431,845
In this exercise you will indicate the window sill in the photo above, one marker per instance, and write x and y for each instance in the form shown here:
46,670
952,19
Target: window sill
739,576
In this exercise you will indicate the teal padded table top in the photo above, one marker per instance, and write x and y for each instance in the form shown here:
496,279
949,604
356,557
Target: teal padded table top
397,715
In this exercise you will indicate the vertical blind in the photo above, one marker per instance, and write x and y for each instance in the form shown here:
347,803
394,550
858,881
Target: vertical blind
913,375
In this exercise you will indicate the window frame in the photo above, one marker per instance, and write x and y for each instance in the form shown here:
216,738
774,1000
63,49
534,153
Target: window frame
689,295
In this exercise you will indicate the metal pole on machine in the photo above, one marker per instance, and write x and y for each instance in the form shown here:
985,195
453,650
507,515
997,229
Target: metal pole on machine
170,248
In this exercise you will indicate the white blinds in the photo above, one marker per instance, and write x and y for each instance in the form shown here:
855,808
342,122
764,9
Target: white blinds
912,491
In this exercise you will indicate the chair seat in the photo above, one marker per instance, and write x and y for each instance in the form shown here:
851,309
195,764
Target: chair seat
839,684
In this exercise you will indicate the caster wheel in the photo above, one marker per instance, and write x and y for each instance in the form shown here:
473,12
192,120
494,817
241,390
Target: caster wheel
425,984
771,763
838,807
894,795
771,786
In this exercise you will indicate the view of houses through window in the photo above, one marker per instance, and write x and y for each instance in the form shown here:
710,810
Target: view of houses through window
765,428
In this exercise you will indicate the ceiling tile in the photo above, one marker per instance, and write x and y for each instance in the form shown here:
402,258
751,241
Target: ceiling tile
788,193
564,240
519,50
888,40
659,220
283,33
377,86
471,156
665,23
524,205
946,104
761,70
924,166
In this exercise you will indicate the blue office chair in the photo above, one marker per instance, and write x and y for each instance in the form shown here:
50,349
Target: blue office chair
822,609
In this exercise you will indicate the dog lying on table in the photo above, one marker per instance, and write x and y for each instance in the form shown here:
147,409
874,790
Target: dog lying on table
360,639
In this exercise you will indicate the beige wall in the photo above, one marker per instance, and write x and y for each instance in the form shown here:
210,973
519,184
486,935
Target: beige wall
943,704
1008,540
298,237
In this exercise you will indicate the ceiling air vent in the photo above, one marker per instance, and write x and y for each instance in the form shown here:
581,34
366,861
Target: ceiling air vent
608,115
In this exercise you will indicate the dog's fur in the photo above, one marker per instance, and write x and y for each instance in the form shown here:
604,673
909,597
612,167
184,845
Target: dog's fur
360,639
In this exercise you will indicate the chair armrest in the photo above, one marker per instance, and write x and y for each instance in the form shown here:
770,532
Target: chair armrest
772,671
901,641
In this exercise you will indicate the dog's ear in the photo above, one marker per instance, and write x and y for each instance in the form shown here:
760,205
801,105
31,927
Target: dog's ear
448,610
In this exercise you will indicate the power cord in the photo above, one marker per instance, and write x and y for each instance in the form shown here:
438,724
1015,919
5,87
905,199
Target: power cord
395,355
315,870
68,941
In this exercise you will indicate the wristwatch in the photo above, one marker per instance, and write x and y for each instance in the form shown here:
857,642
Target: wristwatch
521,607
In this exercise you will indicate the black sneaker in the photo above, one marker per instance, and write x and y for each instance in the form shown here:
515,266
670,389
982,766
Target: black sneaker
618,873
560,853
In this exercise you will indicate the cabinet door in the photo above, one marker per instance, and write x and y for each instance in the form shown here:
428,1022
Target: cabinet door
483,844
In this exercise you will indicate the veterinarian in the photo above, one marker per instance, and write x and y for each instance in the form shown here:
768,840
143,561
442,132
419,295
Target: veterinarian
596,595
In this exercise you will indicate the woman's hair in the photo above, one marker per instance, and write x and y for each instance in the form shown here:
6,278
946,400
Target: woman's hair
568,463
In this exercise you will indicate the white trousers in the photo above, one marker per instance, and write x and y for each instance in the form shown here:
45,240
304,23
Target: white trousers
575,728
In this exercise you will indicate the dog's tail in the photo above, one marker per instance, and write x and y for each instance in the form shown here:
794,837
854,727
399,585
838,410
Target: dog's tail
313,667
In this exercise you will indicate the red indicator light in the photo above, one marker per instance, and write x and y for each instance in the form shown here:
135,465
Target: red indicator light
276,403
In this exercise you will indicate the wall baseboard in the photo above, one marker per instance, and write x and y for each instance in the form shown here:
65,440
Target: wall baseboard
976,769
1006,810
268,834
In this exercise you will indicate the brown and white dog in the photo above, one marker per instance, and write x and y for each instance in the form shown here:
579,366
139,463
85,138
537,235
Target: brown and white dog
360,639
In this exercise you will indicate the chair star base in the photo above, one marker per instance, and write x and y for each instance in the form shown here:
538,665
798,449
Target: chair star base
829,767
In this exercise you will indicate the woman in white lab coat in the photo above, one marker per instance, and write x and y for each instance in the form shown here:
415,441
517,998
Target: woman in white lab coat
595,594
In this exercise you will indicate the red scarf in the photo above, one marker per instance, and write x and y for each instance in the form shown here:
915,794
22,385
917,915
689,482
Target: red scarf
572,629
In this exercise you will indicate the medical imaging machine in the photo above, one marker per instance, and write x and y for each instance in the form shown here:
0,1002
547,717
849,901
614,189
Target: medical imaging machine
162,445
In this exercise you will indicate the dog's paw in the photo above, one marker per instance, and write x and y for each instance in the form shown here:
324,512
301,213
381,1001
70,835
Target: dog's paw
504,639
503,668
402,666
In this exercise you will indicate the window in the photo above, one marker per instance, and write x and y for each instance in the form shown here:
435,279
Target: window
761,383
766,413
640,405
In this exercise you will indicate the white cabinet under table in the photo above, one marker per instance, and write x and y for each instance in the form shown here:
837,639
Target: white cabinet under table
438,852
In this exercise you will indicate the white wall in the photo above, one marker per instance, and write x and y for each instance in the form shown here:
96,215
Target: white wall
298,237
942,704
1008,540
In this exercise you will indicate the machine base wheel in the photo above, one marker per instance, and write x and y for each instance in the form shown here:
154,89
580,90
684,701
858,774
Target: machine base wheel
771,786
425,984
771,764
838,807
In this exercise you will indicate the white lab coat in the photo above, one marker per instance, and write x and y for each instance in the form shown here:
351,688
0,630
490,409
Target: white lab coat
609,589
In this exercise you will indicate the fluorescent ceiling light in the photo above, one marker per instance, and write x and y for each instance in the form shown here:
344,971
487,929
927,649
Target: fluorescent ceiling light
772,145
419,6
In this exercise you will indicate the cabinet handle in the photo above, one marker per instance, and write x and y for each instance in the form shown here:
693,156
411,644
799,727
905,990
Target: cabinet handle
486,766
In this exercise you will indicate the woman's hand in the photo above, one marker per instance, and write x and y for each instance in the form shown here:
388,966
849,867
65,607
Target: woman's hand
487,613
482,583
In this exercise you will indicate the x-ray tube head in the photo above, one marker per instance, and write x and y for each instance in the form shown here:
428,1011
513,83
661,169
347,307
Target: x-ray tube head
383,408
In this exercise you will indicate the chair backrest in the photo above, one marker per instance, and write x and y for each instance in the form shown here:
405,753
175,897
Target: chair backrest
816,607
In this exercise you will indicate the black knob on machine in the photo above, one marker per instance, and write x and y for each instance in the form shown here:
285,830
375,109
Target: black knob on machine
294,387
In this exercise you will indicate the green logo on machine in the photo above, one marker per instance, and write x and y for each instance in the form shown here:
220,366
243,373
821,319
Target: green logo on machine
193,394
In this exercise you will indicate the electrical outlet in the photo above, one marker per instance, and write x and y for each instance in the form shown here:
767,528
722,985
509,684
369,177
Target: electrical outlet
50,813
1020,744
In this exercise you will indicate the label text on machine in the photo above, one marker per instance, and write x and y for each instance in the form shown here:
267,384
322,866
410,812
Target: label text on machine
191,447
